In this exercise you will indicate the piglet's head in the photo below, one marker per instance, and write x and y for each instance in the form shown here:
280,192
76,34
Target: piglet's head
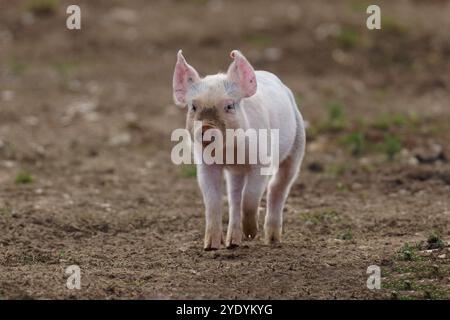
215,100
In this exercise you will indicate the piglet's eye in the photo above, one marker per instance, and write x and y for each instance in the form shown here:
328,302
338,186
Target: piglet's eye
229,107
193,107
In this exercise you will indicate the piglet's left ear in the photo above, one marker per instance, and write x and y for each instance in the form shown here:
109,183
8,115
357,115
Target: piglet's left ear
184,77
241,72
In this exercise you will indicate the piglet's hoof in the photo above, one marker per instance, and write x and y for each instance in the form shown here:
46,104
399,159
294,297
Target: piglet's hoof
213,241
234,238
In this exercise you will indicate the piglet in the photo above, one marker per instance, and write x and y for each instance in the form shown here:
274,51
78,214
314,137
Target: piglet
242,99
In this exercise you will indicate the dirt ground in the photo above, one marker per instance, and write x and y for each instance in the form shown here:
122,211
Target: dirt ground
85,170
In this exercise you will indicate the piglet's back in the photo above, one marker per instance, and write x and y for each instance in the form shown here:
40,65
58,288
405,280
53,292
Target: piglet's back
273,107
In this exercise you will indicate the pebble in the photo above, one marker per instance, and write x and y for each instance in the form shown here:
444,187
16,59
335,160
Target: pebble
429,154
123,15
273,54
120,139
215,5
7,95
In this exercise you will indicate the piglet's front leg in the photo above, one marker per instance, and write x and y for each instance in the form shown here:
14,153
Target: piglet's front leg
210,181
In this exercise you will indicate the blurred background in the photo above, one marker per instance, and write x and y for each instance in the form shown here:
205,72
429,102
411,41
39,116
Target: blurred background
85,123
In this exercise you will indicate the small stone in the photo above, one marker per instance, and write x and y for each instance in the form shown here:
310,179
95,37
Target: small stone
341,57
215,5
27,18
92,116
430,154
75,85
293,12
412,161
123,15
131,117
426,253
8,164
259,23
120,139
31,121
273,54
7,95
326,30
356,186
318,145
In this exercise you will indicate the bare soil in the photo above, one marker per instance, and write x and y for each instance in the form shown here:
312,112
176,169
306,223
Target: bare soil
85,170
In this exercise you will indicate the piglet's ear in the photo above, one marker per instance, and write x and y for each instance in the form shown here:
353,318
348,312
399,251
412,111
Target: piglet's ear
241,72
184,77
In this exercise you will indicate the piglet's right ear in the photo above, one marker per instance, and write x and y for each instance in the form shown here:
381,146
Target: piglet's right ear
241,72
184,77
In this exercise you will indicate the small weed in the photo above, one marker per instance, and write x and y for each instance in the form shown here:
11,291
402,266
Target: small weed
357,143
361,123
391,146
421,269
24,177
387,121
317,218
335,170
342,187
335,112
417,276
16,67
346,235
433,293
434,241
399,285
42,7
336,118
359,5
392,26
5,211
259,40
408,253
189,171
298,98
348,37
65,68
415,291
396,296
380,94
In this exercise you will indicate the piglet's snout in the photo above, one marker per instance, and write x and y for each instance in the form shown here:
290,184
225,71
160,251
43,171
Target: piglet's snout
201,134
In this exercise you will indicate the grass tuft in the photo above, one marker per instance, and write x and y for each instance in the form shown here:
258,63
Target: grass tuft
346,235
15,66
189,171
42,7
391,146
24,177
408,252
348,37
434,241
357,143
